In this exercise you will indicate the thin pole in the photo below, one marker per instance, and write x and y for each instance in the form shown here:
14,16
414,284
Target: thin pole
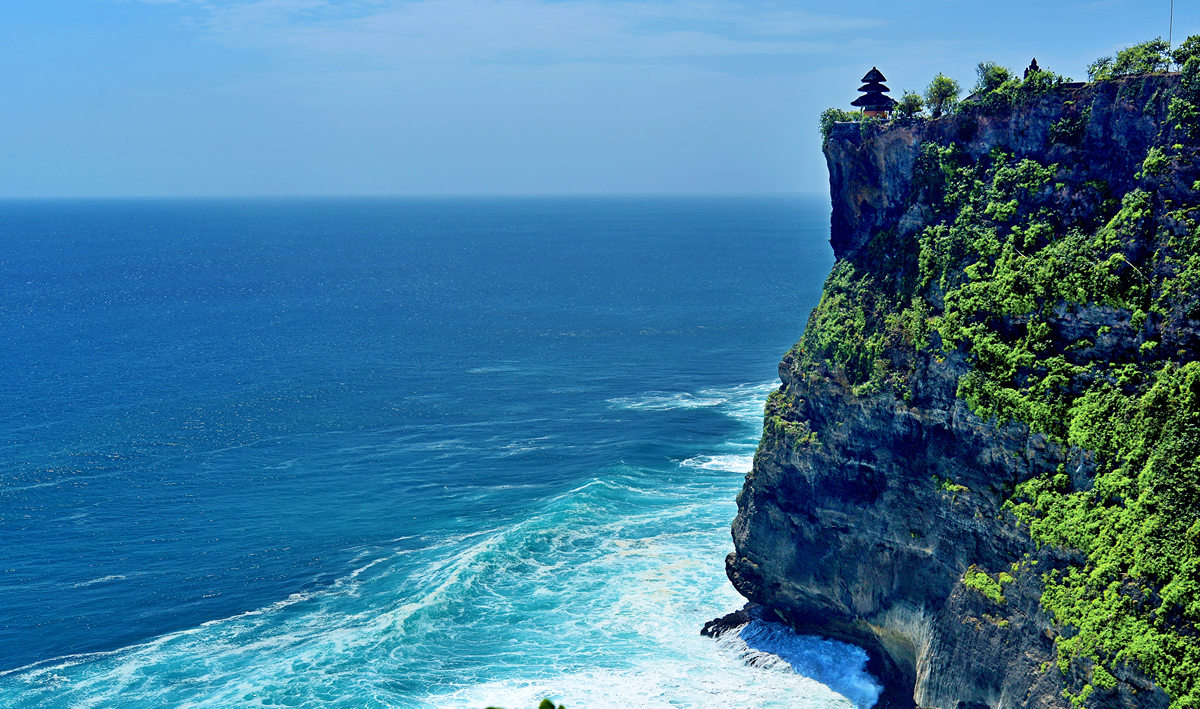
1171,26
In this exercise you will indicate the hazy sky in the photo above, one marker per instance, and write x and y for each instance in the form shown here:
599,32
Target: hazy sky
304,97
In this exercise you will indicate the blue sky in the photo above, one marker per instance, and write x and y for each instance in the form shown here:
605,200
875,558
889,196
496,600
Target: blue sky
316,97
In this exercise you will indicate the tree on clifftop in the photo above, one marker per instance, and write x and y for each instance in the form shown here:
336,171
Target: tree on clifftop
910,105
1188,49
991,76
942,94
1145,58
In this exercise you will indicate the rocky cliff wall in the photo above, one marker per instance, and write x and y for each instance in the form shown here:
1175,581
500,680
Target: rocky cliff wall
880,509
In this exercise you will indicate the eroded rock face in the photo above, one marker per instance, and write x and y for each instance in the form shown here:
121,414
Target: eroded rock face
866,536
864,531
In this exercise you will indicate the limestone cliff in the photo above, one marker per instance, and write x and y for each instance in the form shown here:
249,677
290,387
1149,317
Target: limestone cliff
930,468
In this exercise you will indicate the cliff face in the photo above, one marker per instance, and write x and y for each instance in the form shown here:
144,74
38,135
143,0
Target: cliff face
890,501
871,171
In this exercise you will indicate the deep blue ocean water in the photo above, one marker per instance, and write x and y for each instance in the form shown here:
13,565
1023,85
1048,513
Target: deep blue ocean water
439,452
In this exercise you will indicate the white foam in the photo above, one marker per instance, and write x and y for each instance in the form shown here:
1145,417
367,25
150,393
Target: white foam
527,445
666,401
836,665
715,684
494,369
742,401
101,579
727,463
66,480
746,401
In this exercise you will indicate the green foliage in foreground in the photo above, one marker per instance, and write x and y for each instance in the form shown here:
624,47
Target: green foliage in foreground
998,265
546,704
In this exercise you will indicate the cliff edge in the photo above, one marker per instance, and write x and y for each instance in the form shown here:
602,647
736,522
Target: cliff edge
981,465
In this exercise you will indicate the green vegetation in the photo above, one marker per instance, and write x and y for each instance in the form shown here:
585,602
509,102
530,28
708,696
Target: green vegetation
998,265
1077,700
999,89
1185,51
1156,162
991,588
910,105
948,485
1183,112
1146,58
781,420
991,77
1069,130
836,115
1004,261
858,326
941,94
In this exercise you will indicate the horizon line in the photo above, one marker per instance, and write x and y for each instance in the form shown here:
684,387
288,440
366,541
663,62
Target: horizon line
410,195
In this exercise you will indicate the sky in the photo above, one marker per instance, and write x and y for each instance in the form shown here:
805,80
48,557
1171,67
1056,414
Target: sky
202,98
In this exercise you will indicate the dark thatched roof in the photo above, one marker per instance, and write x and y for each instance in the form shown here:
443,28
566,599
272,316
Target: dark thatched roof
874,100
874,75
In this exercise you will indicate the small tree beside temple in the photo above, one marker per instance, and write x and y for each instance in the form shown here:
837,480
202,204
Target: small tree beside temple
910,105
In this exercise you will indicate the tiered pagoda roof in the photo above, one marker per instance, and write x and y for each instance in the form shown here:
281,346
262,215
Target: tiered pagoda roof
873,91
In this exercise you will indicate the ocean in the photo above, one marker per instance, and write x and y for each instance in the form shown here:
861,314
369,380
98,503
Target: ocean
394,452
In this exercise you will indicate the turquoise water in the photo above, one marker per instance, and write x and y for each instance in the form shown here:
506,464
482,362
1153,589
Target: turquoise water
393,452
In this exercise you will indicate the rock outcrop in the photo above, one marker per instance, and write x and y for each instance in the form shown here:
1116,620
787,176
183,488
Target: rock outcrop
877,514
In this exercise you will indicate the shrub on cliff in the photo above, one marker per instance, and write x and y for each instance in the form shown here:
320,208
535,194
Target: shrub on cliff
984,583
1012,91
1184,111
1145,58
836,115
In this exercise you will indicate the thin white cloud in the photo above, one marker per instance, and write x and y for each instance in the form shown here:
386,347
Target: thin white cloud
525,30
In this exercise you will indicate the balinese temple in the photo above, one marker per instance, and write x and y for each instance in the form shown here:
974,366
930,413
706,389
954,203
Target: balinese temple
873,102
